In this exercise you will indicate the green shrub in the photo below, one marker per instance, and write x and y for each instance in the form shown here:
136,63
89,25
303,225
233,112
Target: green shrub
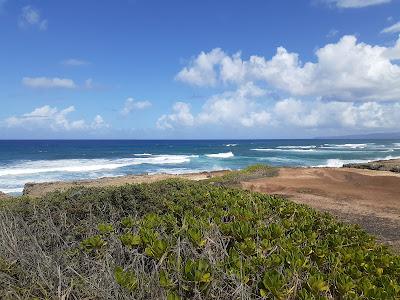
234,178
185,240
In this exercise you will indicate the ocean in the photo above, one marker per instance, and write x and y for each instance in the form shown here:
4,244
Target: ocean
53,160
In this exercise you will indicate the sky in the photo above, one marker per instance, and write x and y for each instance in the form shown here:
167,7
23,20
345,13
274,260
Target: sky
186,69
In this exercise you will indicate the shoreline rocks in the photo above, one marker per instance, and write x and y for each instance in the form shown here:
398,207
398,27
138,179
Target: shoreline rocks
392,165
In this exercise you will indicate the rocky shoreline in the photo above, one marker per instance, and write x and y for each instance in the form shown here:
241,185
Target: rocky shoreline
391,165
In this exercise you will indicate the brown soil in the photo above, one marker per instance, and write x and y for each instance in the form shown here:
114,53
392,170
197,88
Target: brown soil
369,198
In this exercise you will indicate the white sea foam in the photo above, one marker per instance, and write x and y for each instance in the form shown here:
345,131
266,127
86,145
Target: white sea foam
283,150
89,165
297,147
337,163
231,145
142,154
12,190
221,155
348,146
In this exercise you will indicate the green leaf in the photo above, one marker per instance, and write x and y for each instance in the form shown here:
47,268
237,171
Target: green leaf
126,279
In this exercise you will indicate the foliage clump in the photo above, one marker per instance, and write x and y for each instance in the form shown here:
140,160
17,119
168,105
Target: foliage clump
234,178
185,240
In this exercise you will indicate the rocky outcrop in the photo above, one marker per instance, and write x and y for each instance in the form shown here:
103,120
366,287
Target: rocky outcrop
392,165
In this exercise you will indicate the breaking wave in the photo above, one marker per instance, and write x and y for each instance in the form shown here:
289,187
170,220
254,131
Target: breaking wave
89,165
221,155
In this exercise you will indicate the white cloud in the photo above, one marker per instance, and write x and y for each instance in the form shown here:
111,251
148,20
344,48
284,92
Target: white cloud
52,118
201,70
230,111
233,108
30,16
46,82
356,3
73,62
131,104
98,122
181,115
392,29
345,71
318,114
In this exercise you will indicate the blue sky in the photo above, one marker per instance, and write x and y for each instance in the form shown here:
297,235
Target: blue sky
198,69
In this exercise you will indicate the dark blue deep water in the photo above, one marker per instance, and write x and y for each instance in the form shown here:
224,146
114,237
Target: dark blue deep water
38,161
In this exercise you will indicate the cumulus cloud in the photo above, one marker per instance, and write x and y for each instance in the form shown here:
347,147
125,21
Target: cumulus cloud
46,82
356,3
181,116
131,105
344,71
319,114
73,62
350,85
239,107
30,17
52,118
392,29
201,71
227,110
232,108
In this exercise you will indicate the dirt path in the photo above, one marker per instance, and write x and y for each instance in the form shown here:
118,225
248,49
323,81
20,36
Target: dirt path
369,198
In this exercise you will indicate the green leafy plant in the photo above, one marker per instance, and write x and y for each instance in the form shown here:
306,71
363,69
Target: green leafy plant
187,240
130,240
126,279
105,228
93,243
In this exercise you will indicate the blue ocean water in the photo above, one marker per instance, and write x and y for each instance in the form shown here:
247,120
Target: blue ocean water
53,160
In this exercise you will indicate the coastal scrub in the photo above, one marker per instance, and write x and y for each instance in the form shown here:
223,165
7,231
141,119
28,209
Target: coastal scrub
178,239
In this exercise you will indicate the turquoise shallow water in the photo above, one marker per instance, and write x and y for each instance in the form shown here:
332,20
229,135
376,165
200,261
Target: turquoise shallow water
38,161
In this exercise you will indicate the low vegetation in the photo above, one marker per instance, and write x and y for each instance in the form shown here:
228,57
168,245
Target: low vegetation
177,239
234,178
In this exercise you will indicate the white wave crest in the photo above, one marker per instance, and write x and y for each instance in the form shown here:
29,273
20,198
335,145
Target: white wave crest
221,155
338,163
89,165
348,146
12,190
231,145
282,150
297,147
